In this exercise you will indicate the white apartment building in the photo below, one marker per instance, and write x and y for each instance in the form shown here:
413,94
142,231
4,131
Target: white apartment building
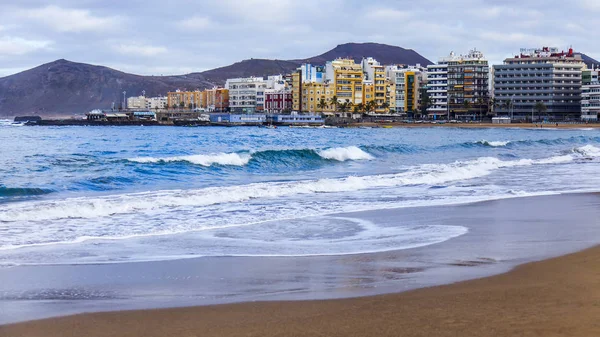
437,81
246,95
369,66
590,102
312,73
138,102
156,103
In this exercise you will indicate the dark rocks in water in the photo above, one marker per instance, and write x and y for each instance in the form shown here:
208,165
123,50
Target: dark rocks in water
28,119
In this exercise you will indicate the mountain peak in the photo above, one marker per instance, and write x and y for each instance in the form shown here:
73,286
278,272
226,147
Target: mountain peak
65,87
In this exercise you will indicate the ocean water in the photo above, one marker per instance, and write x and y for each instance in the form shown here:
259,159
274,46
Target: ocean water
88,195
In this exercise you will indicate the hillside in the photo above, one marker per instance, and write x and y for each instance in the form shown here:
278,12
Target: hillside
383,53
64,88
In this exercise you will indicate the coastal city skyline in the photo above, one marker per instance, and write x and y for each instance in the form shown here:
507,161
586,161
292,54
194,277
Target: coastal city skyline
210,35
535,84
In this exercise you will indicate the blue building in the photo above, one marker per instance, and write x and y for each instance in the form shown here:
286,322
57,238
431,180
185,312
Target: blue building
238,118
297,120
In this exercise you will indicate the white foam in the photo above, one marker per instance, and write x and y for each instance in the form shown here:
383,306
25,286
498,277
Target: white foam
588,151
345,153
231,159
494,143
94,207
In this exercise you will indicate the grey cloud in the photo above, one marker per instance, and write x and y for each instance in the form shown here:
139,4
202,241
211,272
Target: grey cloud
179,36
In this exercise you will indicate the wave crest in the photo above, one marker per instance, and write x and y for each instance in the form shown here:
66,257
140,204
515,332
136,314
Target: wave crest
493,143
344,154
226,159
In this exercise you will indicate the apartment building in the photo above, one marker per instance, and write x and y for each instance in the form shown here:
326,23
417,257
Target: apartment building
136,103
246,95
407,82
468,85
185,99
216,99
590,102
437,81
157,103
375,72
347,79
544,75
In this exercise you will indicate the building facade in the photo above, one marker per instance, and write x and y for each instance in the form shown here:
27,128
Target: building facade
312,73
184,99
216,100
375,72
246,95
468,86
407,82
278,101
437,81
136,103
542,75
590,102
157,103
347,79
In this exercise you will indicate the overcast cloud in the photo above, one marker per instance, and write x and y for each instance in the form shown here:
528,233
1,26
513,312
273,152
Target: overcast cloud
182,36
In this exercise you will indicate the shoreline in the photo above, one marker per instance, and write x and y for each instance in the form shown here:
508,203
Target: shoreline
550,126
553,297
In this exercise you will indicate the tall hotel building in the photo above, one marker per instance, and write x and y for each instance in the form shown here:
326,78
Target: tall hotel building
540,75
459,86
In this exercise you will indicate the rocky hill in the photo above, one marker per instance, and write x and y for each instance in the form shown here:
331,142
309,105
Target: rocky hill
64,88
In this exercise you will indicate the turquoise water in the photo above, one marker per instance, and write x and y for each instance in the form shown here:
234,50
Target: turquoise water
73,195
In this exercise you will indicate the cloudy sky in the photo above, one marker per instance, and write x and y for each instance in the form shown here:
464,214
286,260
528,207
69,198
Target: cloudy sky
181,36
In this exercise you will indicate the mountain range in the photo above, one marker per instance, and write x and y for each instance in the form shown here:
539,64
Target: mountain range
64,88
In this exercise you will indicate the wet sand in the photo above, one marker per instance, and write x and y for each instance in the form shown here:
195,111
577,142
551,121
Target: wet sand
556,297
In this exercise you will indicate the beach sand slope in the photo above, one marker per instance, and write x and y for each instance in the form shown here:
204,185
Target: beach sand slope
557,297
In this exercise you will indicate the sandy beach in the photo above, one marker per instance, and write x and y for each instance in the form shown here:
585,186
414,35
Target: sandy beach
557,297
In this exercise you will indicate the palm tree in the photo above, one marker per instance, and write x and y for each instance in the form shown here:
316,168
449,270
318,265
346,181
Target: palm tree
481,103
344,107
385,106
370,106
361,107
334,102
322,104
508,105
541,108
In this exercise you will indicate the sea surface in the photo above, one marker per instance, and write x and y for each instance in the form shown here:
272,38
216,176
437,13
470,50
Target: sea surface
98,195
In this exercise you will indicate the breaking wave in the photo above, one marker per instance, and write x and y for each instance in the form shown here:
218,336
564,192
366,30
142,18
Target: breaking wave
243,158
426,174
345,153
226,159
493,143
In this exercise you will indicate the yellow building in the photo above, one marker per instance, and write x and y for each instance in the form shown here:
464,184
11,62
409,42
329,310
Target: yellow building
411,91
216,99
184,99
317,98
296,91
380,89
391,96
348,81
368,93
